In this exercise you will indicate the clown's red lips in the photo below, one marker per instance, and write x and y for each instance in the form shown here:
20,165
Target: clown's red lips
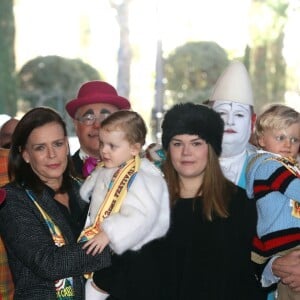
230,131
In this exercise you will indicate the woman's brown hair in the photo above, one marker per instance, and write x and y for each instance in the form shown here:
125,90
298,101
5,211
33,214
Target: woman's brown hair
18,170
215,191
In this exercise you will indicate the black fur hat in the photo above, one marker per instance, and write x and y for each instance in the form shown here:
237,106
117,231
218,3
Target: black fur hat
194,119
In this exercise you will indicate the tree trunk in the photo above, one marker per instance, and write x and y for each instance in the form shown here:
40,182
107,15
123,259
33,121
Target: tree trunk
8,92
124,52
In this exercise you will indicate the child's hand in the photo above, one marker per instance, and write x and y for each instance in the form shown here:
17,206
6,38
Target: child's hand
97,243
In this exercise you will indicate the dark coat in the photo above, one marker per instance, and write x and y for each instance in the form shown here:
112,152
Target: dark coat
134,275
197,260
78,163
211,260
34,259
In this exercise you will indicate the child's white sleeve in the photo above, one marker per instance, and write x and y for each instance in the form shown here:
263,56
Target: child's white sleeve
138,219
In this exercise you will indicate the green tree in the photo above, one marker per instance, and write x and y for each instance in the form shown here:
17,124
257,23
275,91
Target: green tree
53,81
8,89
267,64
192,70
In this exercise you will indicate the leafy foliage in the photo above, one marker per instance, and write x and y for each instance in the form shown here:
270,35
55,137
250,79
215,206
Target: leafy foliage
192,70
53,80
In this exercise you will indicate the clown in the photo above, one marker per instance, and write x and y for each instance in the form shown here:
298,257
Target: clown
232,98
95,101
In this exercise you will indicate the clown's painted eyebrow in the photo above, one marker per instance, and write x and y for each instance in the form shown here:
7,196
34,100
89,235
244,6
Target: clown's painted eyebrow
105,111
92,112
88,112
239,106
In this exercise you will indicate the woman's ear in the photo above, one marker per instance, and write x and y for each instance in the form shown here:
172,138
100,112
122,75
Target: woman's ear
68,146
25,156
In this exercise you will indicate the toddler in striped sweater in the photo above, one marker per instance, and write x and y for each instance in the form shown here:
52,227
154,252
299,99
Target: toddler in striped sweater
273,180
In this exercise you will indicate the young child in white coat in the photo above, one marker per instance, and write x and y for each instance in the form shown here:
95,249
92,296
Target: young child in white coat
129,197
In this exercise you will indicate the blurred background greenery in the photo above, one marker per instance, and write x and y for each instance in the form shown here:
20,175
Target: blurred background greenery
156,53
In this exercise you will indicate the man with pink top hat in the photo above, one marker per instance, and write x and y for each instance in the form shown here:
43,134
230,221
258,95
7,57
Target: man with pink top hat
95,101
232,98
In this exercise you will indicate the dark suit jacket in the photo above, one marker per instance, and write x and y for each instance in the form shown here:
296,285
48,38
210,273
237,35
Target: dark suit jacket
34,259
78,163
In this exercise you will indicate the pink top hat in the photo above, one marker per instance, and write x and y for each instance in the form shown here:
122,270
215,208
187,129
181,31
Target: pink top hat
96,92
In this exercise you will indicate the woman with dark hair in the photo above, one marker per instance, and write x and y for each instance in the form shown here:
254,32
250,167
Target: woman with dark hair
212,222
42,213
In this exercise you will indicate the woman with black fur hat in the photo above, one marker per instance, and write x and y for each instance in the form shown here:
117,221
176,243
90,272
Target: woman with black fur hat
213,222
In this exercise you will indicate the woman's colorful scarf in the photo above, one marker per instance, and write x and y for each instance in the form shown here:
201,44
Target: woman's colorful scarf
114,197
64,287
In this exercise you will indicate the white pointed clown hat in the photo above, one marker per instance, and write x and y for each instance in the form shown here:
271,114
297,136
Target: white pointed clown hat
233,85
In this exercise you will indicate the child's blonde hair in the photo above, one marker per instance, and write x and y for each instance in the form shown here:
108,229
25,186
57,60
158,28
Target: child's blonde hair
129,122
276,116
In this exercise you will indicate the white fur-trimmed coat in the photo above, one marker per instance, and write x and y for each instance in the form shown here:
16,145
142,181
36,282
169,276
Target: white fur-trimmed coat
145,211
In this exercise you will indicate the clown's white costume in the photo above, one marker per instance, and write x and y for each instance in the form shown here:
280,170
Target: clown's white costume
232,97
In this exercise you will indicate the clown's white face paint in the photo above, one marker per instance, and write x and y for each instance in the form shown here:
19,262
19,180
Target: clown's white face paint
237,130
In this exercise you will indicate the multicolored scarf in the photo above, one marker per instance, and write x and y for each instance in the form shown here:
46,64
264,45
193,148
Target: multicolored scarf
64,287
114,197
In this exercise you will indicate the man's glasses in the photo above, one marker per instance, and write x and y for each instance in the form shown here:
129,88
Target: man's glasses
90,119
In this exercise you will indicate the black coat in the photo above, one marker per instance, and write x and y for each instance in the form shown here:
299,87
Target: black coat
197,259
134,275
34,259
78,163
211,260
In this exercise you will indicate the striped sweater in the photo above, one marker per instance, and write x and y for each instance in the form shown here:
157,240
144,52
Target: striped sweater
274,183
